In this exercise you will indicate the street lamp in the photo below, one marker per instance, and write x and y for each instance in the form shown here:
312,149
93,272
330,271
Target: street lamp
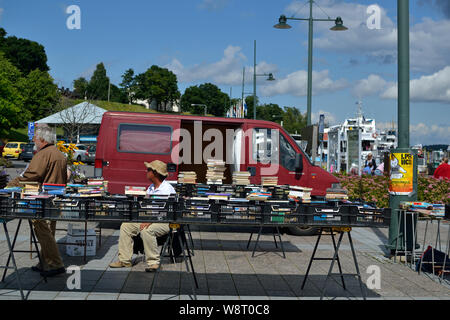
339,26
270,78
199,105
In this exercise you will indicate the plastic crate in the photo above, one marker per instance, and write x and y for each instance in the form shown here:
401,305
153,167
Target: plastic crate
190,210
110,209
280,212
373,217
25,208
320,215
154,210
242,212
66,209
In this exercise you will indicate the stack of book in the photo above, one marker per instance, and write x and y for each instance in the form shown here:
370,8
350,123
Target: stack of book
98,183
241,178
218,196
135,191
269,181
300,194
215,172
54,189
336,194
31,188
259,195
187,177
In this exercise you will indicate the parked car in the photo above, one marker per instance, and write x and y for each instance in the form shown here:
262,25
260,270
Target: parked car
13,149
80,153
27,152
126,140
91,154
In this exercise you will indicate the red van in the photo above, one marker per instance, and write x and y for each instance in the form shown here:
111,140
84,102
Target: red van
263,148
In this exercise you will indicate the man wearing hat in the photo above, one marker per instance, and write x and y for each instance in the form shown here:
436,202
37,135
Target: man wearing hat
156,173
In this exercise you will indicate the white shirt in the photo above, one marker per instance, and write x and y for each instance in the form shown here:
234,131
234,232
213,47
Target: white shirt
165,188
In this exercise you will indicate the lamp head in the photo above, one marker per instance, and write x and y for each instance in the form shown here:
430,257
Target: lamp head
339,25
282,23
270,78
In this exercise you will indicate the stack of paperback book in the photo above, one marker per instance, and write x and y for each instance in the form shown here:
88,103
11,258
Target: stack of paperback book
31,188
187,177
300,194
135,191
259,195
94,188
241,178
215,172
336,194
54,189
269,181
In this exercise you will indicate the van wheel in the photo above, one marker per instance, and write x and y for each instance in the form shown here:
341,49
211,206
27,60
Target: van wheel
303,231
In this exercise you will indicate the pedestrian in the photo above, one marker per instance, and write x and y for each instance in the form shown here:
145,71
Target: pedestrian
443,171
372,161
48,165
156,173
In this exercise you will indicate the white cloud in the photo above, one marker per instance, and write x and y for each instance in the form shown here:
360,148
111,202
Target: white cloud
430,40
431,88
296,84
429,134
227,71
370,86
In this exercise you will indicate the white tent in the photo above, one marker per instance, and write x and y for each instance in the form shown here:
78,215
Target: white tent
82,113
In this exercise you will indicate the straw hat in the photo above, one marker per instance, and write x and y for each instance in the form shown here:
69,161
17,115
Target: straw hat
158,166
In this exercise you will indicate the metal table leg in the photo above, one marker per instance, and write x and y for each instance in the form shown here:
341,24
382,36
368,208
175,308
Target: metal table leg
445,255
312,258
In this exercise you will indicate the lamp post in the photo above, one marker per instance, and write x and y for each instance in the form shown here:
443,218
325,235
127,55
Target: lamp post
270,78
199,105
339,26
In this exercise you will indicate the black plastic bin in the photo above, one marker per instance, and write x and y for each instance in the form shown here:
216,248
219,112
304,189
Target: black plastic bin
191,210
319,215
242,212
373,217
72,209
154,210
109,209
24,208
280,212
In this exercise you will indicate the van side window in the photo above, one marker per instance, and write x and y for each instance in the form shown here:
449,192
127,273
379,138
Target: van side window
144,138
265,145
287,157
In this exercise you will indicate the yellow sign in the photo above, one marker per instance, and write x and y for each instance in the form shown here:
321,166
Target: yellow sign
401,174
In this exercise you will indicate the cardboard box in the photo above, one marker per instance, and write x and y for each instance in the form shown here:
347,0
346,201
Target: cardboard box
75,234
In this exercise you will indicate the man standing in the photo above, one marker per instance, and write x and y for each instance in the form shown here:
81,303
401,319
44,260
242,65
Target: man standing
156,173
48,165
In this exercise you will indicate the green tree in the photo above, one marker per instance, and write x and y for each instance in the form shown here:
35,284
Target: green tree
12,112
159,85
269,112
209,94
293,120
41,94
249,103
118,95
128,84
99,84
25,55
80,87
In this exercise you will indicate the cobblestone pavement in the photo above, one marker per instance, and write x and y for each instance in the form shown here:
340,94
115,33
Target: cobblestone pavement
226,270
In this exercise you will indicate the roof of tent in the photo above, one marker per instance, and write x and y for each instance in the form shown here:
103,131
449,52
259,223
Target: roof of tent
82,113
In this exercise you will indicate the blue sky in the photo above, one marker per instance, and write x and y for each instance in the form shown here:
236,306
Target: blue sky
212,41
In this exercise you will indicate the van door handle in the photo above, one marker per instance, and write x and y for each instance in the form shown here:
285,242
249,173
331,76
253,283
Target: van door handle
105,163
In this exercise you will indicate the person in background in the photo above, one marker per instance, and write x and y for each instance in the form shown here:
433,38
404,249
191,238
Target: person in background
443,171
156,173
370,160
368,169
48,165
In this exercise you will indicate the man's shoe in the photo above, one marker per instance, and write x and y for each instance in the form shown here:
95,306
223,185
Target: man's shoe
120,264
53,272
152,268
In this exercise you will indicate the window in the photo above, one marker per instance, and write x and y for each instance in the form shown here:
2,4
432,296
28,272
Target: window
265,145
145,138
288,153
11,145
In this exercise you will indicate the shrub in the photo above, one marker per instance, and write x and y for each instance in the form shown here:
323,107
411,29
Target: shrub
376,189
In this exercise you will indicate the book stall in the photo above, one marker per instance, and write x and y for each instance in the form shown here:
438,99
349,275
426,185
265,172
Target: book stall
213,203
